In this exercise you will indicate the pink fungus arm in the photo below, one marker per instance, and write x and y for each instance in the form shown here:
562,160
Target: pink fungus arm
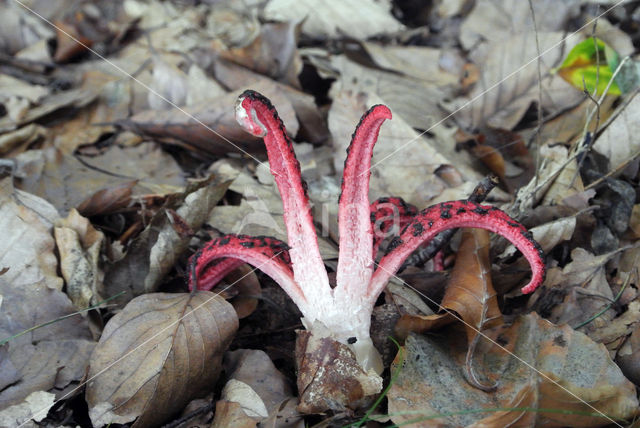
214,272
355,262
256,115
448,215
387,212
268,254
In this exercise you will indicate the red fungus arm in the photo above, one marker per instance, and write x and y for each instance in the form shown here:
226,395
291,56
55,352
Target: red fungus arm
355,260
213,273
256,115
448,215
268,254
385,213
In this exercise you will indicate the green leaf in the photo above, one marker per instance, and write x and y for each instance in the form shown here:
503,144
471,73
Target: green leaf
590,66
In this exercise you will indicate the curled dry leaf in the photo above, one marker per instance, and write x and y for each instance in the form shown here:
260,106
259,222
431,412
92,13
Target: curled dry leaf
429,382
469,292
28,249
79,245
156,355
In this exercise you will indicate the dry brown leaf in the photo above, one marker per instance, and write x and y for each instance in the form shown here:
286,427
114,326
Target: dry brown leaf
619,328
508,82
414,100
79,246
584,289
273,53
14,142
27,248
358,19
106,201
569,125
619,142
257,371
32,410
421,62
19,28
72,181
231,414
469,293
496,20
53,357
156,355
430,383
91,122
155,250
74,98
69,42
176,127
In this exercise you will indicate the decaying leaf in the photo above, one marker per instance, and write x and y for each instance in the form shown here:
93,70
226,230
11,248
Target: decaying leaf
155,250
254,369
358,19
161,351
503,99
51,358
71,181
176,127
32,410
28,251
618,141
576,376
469,293
79,245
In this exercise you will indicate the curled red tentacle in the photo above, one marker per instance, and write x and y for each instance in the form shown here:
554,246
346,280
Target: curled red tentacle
455,214
385,213
270,255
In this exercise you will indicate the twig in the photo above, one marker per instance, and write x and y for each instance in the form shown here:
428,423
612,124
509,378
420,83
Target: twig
539,125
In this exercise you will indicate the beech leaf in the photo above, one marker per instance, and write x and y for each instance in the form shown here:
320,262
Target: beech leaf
590,65
158,354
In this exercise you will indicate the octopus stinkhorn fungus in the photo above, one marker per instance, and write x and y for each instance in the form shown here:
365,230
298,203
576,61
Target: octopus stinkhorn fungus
342,313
